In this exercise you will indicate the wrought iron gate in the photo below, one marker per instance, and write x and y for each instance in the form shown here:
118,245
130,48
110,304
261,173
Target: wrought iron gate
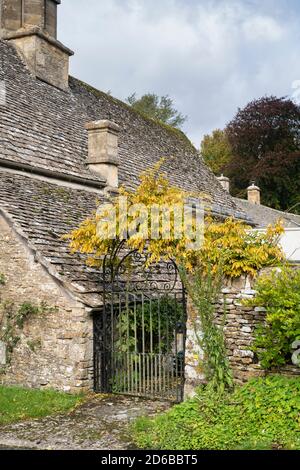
139,334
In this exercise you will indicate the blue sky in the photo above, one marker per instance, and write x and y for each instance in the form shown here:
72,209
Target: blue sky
210,56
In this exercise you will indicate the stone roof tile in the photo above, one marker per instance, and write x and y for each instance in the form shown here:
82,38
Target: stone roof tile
44,127
262,216
41,212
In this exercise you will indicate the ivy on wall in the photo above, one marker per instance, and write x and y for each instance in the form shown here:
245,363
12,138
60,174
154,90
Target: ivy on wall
13,319
204,290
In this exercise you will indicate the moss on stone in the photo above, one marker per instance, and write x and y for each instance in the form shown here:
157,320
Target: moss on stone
176,133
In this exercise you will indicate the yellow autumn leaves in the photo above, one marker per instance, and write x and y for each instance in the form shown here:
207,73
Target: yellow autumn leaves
229,243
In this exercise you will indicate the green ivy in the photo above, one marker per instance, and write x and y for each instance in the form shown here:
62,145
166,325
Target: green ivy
204,290
279,293
2,279
12,320
263,414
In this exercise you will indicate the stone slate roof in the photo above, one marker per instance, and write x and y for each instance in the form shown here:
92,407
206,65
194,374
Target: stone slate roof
41,212
44,127
263,216
42,131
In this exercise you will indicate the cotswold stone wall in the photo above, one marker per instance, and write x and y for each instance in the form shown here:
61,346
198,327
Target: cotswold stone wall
239,328
55,349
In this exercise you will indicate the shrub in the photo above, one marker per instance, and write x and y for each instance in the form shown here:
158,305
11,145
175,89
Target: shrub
263,414
279,293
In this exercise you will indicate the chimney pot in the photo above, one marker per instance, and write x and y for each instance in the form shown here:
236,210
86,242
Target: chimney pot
225,182
103,150
254,194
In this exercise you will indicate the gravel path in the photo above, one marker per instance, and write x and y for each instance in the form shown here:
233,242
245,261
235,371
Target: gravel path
100,424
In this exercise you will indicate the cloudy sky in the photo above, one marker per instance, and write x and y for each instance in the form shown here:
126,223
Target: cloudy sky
210,56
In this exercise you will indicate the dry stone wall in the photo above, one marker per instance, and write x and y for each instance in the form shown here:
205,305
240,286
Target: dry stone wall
241,322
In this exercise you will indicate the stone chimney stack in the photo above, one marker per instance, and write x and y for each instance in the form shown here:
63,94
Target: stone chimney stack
254,194
31,26
225,182
103,151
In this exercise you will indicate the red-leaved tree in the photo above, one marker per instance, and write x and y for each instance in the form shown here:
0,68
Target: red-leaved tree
265,143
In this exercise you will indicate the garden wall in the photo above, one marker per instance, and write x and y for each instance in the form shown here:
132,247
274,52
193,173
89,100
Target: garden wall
239,328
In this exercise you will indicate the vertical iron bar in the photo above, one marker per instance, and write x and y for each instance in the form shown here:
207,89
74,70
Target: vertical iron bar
175,367
135,387
112,346
140,374
128,375
155,378
143,345
151,347
159,378
148,374
120,359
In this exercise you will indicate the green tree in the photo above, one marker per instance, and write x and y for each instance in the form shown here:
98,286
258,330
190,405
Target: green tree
160,108
216,150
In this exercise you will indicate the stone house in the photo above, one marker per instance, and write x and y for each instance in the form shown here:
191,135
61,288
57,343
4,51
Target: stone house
63,146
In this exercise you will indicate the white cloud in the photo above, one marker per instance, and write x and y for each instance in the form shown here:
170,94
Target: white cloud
211,56
296,92
262,28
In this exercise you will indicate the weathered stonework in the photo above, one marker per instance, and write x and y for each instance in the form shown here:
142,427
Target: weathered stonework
2,353
63,356
193,353
15,14
46,59
240,324
103,150
31,26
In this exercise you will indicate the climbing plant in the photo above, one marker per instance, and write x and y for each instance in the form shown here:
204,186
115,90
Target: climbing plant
204,290
229,249
12,320
230,242
238,250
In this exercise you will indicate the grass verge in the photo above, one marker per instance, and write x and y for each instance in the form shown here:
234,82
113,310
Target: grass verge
17,404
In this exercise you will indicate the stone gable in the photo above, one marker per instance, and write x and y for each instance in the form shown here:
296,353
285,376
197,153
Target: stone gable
62,358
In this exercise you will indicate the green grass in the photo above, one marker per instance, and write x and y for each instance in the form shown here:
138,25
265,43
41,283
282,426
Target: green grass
17,404
264,414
